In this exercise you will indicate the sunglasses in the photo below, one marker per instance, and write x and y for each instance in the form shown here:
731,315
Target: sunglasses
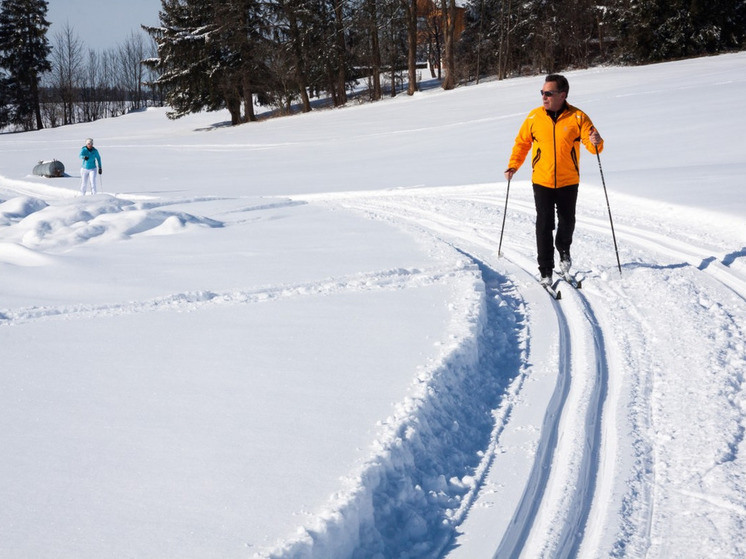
549,93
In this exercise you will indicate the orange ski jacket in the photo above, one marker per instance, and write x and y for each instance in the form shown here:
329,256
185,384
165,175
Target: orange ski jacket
555,146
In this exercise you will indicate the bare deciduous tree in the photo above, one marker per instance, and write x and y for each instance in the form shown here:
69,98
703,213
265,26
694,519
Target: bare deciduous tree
131,69
67,68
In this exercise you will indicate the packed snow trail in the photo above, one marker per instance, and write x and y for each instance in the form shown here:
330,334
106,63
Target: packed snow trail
593,488
520,525
579,345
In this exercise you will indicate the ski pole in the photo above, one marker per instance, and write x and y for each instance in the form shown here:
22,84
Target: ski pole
611,221
502,229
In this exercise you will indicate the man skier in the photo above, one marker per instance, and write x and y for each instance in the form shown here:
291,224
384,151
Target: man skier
89,156
553,132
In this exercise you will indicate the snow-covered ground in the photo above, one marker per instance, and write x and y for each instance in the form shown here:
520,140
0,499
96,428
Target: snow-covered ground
295,338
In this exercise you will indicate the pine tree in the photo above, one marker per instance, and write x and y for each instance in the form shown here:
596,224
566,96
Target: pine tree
485,45
658,30
242,38
209,55
291,63
183,60
24,52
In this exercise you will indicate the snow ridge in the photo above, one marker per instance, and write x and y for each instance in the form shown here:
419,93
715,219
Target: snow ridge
393,279
428,463
37,226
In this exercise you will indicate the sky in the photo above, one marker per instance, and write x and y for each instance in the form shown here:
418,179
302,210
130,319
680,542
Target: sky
103,24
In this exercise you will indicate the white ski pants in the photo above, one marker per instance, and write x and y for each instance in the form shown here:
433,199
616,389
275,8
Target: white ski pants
88,176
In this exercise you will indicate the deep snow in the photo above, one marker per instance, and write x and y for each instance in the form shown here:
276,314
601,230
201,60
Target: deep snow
295,338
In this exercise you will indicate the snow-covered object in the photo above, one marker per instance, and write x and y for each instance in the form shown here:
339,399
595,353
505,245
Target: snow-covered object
50,169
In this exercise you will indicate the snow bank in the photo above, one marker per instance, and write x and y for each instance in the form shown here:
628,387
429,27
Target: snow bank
410,496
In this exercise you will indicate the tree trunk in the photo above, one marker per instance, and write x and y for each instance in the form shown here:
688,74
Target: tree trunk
341,48
393,79
233,104
375,50
412,42
37,102
449,24
248,100
300,74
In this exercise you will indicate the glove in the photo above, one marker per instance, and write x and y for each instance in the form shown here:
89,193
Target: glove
86,158
100,170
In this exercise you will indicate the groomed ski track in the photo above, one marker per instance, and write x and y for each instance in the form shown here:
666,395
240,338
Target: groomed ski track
571,426
590,486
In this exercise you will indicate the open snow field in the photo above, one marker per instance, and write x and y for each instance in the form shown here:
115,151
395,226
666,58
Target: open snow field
295,338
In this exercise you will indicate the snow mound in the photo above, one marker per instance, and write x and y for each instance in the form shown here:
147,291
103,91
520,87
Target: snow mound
20,207
18,255
36,225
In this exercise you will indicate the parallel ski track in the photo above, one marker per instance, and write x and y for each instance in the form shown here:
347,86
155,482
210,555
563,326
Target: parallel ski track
470,238
652,244
699,257
717,266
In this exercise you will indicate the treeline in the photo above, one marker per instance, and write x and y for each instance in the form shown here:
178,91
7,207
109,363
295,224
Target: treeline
507,38
48,83
85,85
225,53
214,54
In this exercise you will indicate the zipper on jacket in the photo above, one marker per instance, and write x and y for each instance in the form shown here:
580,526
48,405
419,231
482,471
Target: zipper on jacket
554,143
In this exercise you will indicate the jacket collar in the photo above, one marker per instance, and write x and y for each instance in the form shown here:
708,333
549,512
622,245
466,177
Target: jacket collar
554,115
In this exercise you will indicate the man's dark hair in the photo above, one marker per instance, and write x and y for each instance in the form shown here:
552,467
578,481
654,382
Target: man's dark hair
562,83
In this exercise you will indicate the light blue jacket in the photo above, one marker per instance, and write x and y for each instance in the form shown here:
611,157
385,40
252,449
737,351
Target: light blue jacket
92,155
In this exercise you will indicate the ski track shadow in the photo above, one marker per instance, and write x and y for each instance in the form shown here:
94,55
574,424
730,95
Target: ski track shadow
731,258
414,493
418,500
501,361
728,260
649,266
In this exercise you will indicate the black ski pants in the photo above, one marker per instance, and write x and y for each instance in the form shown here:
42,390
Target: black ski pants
547,200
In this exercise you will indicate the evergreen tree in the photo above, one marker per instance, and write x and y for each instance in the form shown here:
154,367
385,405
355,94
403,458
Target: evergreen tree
311,51
370,51
242,36
4,102
658,30
394,38
325,47
485,45
183,61
204,55
24,52
290,61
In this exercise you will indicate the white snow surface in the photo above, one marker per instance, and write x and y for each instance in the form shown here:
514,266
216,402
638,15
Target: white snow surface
296,338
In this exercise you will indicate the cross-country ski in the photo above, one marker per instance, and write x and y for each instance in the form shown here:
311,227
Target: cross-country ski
551,288
575,280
